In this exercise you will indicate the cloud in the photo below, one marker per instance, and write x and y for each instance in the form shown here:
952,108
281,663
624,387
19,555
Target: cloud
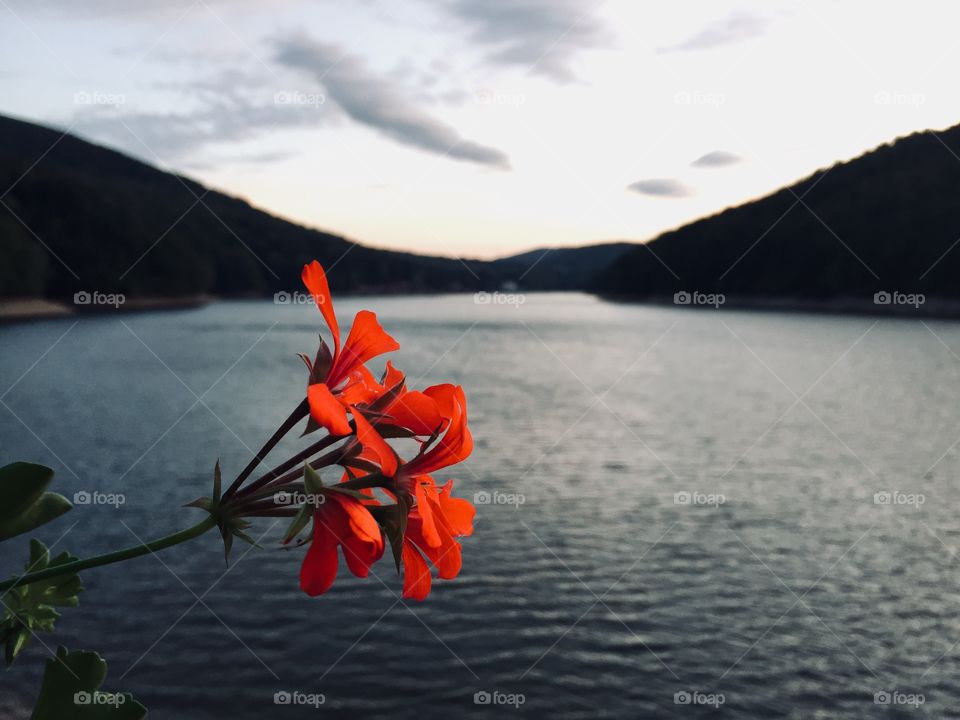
734,28
373,101
717,158
660,187
540,36
232,106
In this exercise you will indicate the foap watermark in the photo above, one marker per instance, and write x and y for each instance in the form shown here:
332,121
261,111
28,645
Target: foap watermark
496,97
498,298
297,297
496,697
893,97
895,297
895,497
99,97
99,698
95,297
95,497
296,98
685,297
685,497
288,497
496,497
895,697
698,697
295,697
699,97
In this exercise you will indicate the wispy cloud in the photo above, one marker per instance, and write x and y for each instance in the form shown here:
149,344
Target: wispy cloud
660,187
377,103
231,106
717,158
539,36
734,28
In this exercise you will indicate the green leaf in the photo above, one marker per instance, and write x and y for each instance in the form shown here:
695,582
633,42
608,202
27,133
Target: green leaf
49,506
300,521
247,539
234,526
216,483
311,480
21,485
210,504
227,536
71,689
29,609
204,503
16,640
39,556
321,364
24,504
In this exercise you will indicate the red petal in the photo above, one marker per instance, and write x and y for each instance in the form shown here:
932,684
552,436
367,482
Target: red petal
424,509
365,341
446,556
372,442
455,445
315,281
457,512
391,376
361,555
319,568
360,522
361,388
416,574
445,398
416,412
327,411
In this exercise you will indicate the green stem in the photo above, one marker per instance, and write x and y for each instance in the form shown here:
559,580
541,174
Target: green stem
118,556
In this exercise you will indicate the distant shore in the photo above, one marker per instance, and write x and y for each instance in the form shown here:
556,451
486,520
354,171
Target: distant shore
24,309
939,308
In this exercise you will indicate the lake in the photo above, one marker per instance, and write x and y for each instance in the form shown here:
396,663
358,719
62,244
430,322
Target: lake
689,511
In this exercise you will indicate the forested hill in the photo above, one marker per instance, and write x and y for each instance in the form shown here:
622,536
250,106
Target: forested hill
565,268
886,221
79,216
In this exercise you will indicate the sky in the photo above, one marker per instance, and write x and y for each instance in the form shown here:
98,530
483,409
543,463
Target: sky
481,128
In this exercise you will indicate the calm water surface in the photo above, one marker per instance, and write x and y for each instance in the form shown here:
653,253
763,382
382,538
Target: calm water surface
786,584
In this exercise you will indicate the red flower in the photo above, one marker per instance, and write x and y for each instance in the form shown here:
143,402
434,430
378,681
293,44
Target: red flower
328,397
374,446
437,518
340,520
432,531
446,406
455,445
425,521
393,404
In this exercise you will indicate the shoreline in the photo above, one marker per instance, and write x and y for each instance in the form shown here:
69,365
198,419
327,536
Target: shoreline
15,310
932,308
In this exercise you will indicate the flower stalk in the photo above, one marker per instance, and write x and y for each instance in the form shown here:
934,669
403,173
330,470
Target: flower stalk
129,553
301,411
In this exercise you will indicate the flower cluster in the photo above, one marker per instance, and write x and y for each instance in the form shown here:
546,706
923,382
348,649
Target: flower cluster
380,497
